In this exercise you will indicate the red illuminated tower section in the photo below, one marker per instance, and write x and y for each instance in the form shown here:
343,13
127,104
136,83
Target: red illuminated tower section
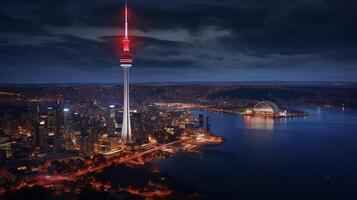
126,60
126,57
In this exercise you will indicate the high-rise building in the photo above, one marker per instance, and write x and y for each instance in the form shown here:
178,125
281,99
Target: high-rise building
67,123
200,120
137,128
39,136
86,145
52,125
10,123
112,111
208,124
112,124
126,60
5,147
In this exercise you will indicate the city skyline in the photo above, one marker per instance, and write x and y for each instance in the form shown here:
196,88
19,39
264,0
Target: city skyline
76,42
228,99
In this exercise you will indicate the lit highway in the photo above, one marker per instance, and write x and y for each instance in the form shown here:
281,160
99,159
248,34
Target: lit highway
47,179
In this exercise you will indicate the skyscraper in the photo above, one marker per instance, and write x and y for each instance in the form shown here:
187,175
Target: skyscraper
40,131
208,124
52,121
200,120
39,137
112,121
126,60
67,123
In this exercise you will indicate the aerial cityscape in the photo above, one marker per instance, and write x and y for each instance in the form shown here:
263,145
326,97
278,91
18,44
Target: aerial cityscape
225,100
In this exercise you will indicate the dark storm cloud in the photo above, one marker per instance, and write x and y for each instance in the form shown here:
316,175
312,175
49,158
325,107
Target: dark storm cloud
192,17
32,17
73,52
10,25
286,27
303,26
66,51
196,34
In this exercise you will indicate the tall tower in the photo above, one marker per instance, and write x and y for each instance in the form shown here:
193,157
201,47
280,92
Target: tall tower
126,60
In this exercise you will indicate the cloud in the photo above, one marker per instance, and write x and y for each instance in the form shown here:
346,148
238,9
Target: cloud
66,51
11,25
196,34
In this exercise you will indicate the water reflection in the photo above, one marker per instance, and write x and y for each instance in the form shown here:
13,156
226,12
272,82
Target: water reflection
258,123
290,153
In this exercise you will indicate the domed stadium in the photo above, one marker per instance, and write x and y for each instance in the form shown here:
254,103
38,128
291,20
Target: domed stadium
266,108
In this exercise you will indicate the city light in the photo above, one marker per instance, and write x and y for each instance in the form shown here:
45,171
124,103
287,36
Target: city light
199,118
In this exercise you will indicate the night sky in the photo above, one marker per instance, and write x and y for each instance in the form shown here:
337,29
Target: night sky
76,41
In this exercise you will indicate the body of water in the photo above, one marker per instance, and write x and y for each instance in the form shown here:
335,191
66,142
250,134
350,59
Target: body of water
314,157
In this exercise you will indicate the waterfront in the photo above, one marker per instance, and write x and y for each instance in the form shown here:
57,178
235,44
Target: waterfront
314,157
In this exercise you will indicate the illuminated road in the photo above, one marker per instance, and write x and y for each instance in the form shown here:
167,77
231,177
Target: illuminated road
122,160
134,156
46,180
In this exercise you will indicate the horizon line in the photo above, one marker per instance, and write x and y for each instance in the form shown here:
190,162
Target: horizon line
177,82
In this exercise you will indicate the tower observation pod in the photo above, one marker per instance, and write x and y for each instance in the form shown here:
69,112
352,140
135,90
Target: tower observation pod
126,60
